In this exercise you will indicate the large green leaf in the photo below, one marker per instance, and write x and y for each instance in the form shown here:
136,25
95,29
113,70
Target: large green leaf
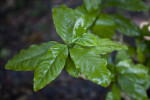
50,65
114,94
108,46
104,26
136,72
79,28
132,5
133,89
126,26
89,17
91,65
71,68
64,20
92,5
87,39
27,59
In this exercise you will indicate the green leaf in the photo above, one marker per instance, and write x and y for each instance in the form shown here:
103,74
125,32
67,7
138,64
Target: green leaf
71,68
87,39
50,65
113,74
108,46
136,72
80,37
121,55
132,5
114,94
104,26
64,20
79,28
27,59
141,50
92,5
145,31
126,26
91,65
133,89
89,17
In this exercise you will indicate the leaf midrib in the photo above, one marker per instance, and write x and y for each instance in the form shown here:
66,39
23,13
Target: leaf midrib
50,66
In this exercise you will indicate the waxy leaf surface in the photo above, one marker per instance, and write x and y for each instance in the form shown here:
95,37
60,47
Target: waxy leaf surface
64,20
91,65
136,72
79,28
107,46
50,65
89,17
87,39
27,59
133,89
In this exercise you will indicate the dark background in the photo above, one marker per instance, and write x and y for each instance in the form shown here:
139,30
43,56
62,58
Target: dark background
26,22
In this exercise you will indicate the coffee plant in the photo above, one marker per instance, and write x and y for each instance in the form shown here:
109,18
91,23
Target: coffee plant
88,33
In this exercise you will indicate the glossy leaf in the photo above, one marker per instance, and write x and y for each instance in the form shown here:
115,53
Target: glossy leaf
64,21
114,94
92,5
91,65
87,39
27,59
126,26
133,89
89,17
132,5
71,68
108,46
136,72
79,28
104,26
50,65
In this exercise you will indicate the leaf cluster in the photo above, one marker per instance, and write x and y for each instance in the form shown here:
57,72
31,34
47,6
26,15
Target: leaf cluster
87,32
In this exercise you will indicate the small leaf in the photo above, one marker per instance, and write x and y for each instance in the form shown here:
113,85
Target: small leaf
87,39
108,46
92,5
91,65
89,17
126,26
27,59
79,28
71,68
64,20
50,65
133,89
104,26
114,94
